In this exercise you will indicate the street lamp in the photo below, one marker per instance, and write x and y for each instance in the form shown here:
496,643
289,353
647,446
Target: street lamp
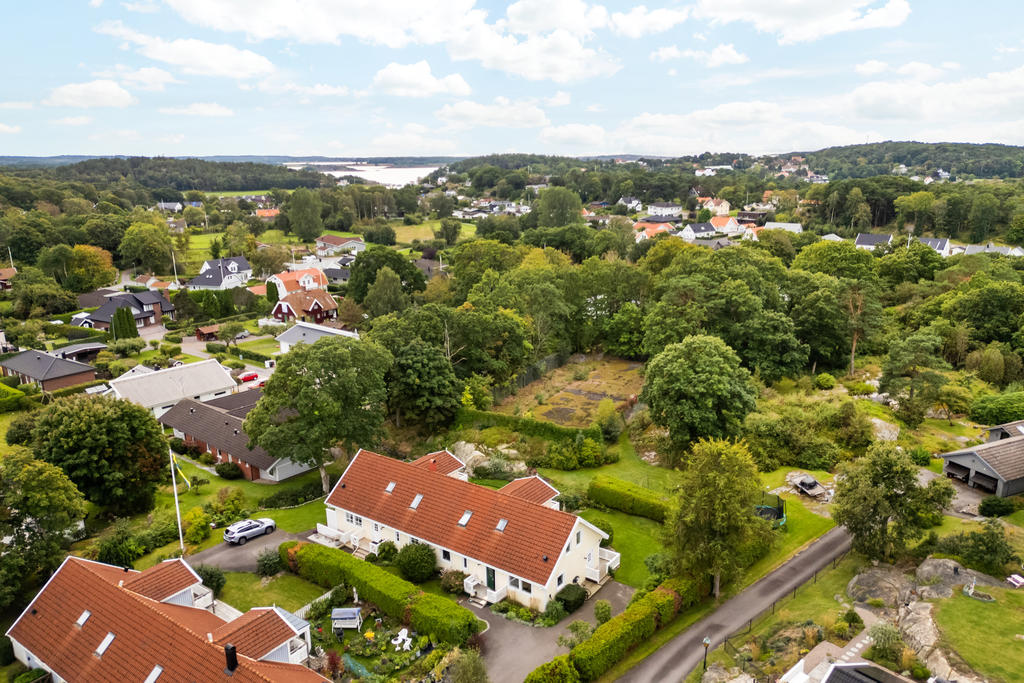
707,643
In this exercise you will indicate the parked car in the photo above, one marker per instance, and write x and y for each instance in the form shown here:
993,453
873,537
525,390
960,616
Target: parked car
248,376
241,532
242,335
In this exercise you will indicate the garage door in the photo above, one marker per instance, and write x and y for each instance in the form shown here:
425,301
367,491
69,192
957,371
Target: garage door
983,481
957,470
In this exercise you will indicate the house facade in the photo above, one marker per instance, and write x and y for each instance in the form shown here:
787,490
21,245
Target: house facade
48,372
309,333
329,245
717,207
97,622
631,203
697,231
297,281
314,306
148,309
222,273
507,545
160,390
664,209
6,275
868,241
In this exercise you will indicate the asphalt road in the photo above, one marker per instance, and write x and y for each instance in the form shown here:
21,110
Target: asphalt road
242,558
676,659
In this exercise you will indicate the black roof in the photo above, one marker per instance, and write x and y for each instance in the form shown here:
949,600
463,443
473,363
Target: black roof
213,276
42,366
238,404
336,273
216,427
872,238
105,313
95,298
702,227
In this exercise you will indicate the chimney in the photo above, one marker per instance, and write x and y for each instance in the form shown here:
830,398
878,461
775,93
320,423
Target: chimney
433,465
231,657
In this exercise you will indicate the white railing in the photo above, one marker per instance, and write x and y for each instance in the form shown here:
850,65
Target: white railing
594,574
225,611
611,557
470,583
496,595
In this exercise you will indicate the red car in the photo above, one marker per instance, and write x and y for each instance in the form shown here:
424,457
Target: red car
248,376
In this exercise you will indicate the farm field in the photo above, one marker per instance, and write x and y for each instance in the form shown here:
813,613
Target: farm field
570,395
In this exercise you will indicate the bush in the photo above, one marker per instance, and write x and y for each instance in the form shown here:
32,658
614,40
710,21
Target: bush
608,529
284,551
554,613
627,497
558,670
120,548
417,562
6,651
292,497
990,506
920,456
212,577
857,388
824,381
572,597
434,615
216,347
386,551
19,432
997,409
611,642
12,381
172,338
197,525
269,562
602,611
11,399
207,458
30,675
451,581
228,470
524,425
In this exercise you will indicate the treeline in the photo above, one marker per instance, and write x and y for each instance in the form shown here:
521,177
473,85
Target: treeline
957,158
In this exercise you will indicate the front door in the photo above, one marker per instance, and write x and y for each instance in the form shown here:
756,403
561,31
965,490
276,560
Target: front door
490,578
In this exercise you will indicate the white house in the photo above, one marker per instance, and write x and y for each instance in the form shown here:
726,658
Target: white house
507,543
222,273
297,280
158,391
717,207
97,622
309,333
329,245
697,231
631,203
795,228
868,240
664,209
941,245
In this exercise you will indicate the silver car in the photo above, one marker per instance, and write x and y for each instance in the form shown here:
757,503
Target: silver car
240,532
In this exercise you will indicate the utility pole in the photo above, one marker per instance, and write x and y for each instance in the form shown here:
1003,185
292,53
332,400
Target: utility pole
177,510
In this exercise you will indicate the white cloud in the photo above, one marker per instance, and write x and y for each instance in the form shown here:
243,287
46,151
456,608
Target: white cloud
15,105
640,21
720,55
191,55
74,121
412,138
585,136
95,3
559,99
98,93
146,78
4,128
799,21
416,80
504,113
699,36
540,16
559,56
278,85
920,71
871,67
142,6
172,139
198,109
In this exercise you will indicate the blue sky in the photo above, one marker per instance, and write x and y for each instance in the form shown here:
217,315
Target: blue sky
415,77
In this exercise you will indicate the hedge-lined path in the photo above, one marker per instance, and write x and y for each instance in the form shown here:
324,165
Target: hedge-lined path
242,558
513,649
683,654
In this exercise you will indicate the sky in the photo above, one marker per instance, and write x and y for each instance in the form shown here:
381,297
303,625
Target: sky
466,77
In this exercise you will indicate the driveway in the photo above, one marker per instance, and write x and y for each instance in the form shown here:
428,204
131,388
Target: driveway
512,649
965,502
242,558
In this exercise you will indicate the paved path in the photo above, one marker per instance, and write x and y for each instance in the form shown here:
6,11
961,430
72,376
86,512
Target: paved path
242,558
677,658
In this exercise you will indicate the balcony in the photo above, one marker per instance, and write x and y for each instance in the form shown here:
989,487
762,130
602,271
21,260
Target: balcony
610,558
476,589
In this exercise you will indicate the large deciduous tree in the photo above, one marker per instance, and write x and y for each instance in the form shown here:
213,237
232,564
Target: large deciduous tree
385,295
332,392
147,245
39,506
112,450
881,503
558,206
696,389
304,214
422,387
363,272
714,518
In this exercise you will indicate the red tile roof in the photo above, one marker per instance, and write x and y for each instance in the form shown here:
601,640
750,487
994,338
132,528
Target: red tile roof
291,278
163,580
147,633
721,221
255,633
8,273
443,462
533,489
302,301
533,532
336,241
258,290
267,213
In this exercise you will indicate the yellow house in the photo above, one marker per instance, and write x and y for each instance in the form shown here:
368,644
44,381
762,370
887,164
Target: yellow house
512,543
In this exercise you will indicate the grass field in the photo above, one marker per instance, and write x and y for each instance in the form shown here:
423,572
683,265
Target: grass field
404,234
629,467
266,346
5,422
635,537
244,591
985,634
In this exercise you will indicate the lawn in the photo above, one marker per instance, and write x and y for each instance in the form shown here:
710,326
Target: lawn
489,483
636,538
244,591
404,234
629,467
153,353
802,527
5,422
1016,518
268,346
984,634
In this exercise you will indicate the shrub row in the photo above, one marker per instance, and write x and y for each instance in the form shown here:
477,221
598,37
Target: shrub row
525,425
997,409
611,641
291,497
75,336
11,399
396,597
216,347
67,391
626,497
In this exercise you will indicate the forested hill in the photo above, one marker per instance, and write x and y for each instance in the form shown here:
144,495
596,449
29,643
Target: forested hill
958,158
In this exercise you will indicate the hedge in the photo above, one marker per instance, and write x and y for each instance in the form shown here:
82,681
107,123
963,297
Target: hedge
12,381
572,597
396,597
216,347
627,497
11,399
611,641
525,425
993,410
100,338
67,391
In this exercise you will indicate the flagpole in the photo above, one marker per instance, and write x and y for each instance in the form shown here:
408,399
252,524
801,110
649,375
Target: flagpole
177,510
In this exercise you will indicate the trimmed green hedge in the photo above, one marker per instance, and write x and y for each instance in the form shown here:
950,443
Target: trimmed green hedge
11,399
558,670
216,347
525,425
627,497
997,409
100,337
396,597
67,391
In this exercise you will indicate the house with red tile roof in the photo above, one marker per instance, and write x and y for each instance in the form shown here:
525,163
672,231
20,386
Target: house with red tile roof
533,489
97,622
267,214
727,225
314,306
443,462
646,231
329,245
297,281
508,543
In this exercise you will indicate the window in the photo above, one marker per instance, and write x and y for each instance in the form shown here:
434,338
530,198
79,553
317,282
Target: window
376,527
107,640
85,616
514,582
567,546
355,520
577,538
416,501
390,487
396,537
464,520
502,523
527,588
446,556
465,563
561,579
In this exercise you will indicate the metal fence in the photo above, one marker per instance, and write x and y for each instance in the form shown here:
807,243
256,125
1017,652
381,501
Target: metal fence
530,374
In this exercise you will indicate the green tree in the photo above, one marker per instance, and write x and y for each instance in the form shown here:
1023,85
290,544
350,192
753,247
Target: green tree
422,386
881,504
558,206
469,667
910,372
385,295
114,451
838,259
697,389
122,324
449,231
363,272
862,310
147,245
983,216
714,517
417,562
304,214
332,392
228,332
39,508
953,400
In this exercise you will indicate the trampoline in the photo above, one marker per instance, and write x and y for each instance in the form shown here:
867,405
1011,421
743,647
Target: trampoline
772,508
